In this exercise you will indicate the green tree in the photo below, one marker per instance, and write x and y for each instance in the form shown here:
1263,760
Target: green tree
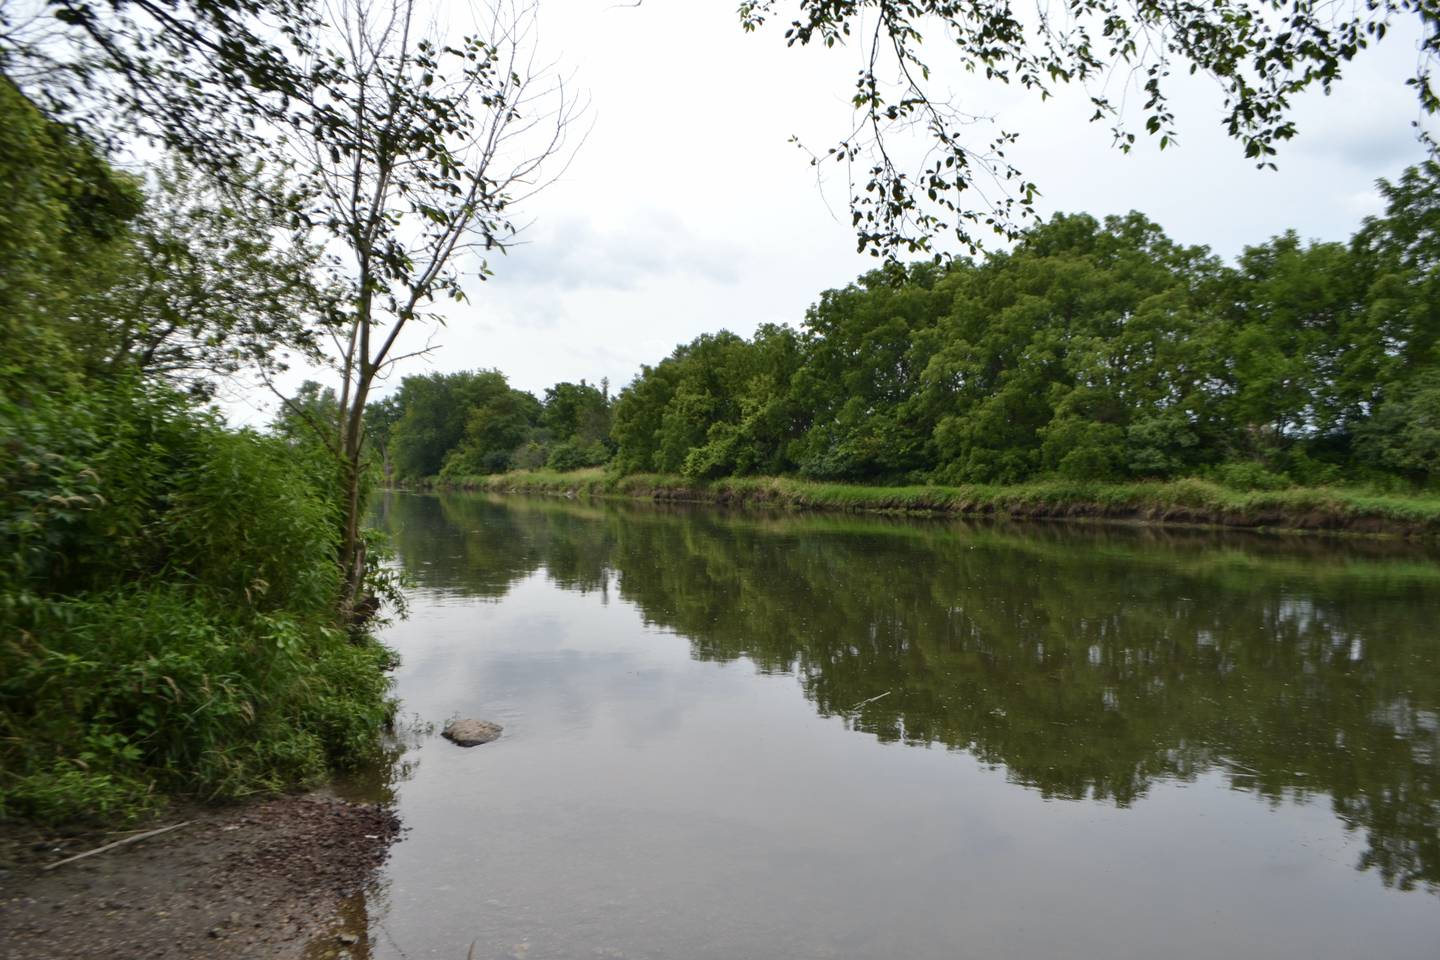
576,423
865,349
67,212
434,409
203,288
1085,352
381,418
498,422
1404,433
1293,361
419,148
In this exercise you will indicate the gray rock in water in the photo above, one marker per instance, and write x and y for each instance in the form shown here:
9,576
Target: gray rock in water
471,733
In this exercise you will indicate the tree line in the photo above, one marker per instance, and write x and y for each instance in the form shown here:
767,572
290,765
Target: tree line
1092,350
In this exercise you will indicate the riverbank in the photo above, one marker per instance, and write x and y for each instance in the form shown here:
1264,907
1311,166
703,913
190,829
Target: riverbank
1190,501
273,880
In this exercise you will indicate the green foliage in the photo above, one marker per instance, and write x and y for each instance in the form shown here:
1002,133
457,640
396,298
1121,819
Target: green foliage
64,209
865,349
1249,476
168,586
202,287
466,422
717,405
1092,351
577,412
169,611
570,455
1404,434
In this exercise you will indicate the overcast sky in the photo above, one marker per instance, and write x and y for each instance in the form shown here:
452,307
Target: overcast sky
687,210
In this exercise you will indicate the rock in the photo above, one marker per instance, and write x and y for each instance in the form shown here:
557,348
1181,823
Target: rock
471,733
348,939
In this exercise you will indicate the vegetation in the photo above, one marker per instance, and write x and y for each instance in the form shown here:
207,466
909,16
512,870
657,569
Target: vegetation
183,605
1098,367
169,617
169,610
1093,351
1191,501
458,425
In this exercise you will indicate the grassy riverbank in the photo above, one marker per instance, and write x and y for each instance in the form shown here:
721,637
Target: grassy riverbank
1189,501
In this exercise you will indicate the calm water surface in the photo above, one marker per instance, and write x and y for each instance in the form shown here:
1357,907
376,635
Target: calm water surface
775,736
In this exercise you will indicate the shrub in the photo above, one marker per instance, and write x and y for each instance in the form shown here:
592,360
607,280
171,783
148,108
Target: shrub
168,618
573,455
1249,476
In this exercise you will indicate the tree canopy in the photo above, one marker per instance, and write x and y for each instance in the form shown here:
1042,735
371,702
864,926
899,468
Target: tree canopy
1092,350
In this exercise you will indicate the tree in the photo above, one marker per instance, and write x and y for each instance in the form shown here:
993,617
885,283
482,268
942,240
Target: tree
434,409
1404,433
1261,54
420,148
576,411
1402,253
209,79
66,212
495,427
205,288
866,348
312,412
576,421
381,418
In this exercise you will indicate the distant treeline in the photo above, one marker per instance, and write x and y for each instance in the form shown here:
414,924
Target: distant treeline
453,425
1094,350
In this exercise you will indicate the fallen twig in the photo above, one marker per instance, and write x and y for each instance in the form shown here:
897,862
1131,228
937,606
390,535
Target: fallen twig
871,700
118,843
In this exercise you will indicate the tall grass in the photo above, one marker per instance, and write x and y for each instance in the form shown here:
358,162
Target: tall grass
167,603
1179,501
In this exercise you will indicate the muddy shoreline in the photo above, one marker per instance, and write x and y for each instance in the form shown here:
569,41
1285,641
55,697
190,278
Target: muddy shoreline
272,880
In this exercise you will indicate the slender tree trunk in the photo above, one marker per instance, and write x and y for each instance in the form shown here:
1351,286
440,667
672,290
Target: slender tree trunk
352,457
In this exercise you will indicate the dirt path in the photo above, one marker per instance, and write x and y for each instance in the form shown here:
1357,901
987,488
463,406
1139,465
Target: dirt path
276,880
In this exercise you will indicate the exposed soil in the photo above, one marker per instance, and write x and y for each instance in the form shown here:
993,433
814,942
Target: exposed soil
279,879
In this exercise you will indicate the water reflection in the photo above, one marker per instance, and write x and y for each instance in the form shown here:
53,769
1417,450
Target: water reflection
347,935
1085,663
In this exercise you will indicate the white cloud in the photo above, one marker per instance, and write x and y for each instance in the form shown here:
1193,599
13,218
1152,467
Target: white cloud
688,209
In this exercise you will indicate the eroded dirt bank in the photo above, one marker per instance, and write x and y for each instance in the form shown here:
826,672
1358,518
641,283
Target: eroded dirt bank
271,880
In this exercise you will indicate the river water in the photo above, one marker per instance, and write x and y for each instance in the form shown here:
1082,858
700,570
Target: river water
789,736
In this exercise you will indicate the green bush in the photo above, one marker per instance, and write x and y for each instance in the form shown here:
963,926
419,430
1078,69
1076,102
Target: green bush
169,593
1249,476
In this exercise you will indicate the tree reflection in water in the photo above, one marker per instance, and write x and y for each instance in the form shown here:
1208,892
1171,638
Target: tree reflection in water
1085,661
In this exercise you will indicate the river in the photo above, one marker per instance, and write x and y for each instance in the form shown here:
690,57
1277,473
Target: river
778,735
